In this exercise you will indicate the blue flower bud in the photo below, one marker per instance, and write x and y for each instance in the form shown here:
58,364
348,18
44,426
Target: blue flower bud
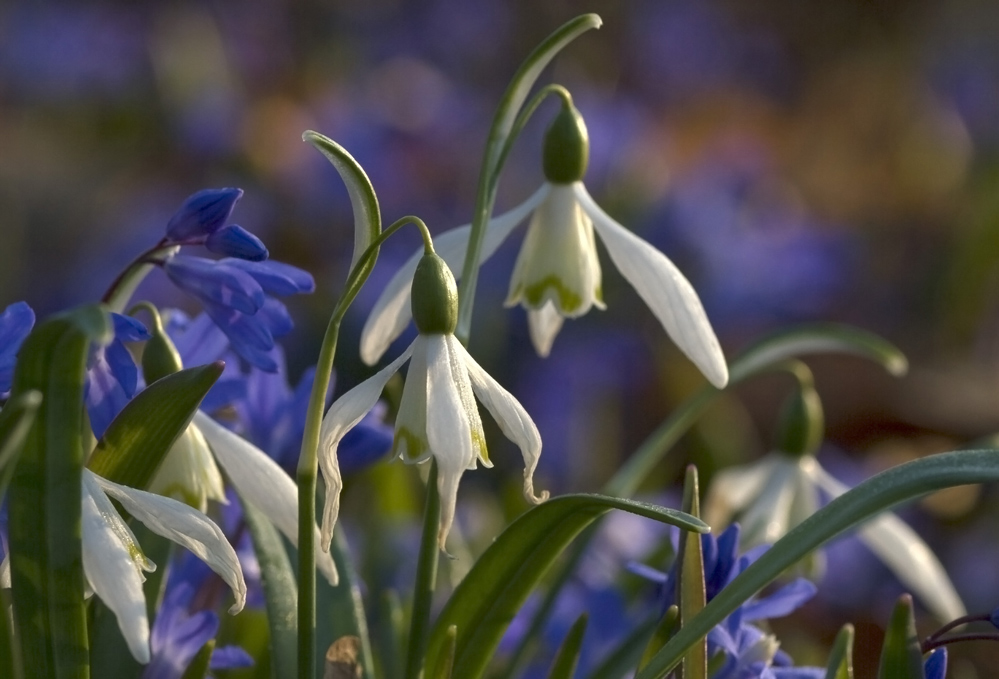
235,241
202,214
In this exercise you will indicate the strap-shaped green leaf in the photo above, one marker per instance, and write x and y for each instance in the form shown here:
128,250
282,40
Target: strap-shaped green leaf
665,628
840,664
901,657
144,431
340,609
564,665
487,600
875,495
45,496
363,201
280,591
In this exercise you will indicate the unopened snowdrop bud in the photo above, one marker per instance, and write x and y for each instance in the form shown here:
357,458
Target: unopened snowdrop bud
159,357
802,424
435,297
566,147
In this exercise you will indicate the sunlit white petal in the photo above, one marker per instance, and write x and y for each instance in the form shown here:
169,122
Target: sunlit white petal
410,442
449,426
513,421
558,261
766,519
185,526
259,480
906,555
544,324
344,414
663,288
110,567
391,313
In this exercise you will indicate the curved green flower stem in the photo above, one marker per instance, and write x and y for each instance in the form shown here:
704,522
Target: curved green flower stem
308,459
501,134
123,287
627,480
426,579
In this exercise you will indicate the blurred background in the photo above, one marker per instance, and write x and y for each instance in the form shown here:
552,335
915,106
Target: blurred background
800,162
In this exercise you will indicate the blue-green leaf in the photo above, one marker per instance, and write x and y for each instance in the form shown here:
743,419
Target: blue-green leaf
487,600
692,592
873,496
45,496
145,430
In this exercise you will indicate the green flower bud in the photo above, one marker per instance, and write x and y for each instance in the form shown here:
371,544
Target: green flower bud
802,423
434,297
159,356
567,147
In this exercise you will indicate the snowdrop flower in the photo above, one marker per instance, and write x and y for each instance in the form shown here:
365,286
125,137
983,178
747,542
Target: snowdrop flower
191,472
113,562
557,274
437,415
773,495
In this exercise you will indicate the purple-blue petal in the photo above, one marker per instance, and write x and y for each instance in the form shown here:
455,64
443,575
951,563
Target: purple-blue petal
276,278
363,446
230,658
798,672
235,241
936,664
199,341
214,281
16,322
275,316
243,330
783,602
202,214
128,329
104,394
122,366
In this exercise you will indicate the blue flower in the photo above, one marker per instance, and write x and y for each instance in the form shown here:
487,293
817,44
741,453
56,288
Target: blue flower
179,633
16,322
749,652
112,376
273,415
200,220
235,295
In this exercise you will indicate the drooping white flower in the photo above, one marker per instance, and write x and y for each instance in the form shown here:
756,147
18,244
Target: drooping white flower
557,274
437,416
113,562
779,491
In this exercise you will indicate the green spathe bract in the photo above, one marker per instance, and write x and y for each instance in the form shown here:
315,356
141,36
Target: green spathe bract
435,297
567,147
802,424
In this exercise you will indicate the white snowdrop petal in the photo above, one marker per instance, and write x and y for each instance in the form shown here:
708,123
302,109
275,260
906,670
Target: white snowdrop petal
259,480
410,441
766,517
341,417
513,420
544,324
185,526
112,574
663,288
732,489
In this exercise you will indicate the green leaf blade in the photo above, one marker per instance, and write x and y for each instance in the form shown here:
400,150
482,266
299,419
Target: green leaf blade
840,664
143,433
485,602
45,496
901,657
564,665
